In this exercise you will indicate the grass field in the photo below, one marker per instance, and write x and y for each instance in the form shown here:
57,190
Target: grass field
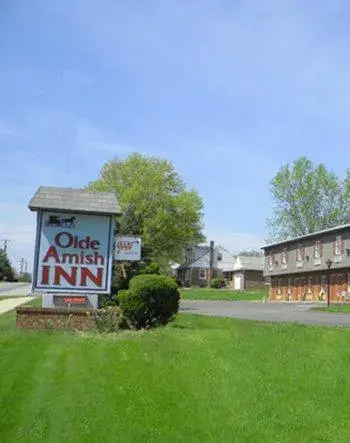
199,379
345,309
221,294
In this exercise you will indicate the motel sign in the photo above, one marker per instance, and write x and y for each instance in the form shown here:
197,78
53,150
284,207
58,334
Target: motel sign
76,258
74,241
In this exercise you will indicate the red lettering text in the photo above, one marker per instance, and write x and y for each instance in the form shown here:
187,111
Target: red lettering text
67,238
124,246
45,275
70,278
96,279
51,252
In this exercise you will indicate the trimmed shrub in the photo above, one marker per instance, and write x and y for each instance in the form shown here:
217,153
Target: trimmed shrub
151,268
217,283
151,300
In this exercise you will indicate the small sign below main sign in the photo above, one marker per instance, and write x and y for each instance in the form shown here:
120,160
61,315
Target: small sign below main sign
127,248
68,301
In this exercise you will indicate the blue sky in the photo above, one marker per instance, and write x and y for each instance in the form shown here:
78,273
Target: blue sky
226,90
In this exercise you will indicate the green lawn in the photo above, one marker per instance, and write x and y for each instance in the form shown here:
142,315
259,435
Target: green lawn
36,302
221,294
334,308
199,379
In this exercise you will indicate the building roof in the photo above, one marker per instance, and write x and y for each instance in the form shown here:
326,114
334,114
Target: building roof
249,263
313,234
74,200
202,259
227,261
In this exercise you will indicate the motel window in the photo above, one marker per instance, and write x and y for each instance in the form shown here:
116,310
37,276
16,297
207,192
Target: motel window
285,256
300,253
338,245
270,260
317,249
290,285
202,274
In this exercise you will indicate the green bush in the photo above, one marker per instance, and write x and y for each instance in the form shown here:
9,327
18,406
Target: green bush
217,283
105,300
110,319
151,300
150,268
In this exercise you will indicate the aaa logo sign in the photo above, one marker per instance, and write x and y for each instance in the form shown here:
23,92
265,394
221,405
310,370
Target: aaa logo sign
127,248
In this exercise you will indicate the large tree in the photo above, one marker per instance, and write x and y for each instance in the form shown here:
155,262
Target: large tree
6,271
307,198
156,205
347,190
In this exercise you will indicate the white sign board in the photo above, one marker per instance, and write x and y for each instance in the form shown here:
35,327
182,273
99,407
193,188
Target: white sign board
73,253
127,248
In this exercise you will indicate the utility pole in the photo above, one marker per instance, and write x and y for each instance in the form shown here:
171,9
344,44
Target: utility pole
211,261
22,263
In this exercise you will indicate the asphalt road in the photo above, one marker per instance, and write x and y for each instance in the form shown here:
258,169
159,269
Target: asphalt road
14,289
276,312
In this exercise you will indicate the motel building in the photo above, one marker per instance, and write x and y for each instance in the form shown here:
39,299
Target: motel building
304,268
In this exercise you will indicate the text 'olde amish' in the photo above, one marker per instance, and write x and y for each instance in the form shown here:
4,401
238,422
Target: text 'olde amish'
77,274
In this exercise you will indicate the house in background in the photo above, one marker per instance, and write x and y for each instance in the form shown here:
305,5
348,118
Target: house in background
306,268
246,273
195,271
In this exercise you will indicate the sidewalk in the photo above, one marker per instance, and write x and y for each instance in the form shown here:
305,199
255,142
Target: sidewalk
12,303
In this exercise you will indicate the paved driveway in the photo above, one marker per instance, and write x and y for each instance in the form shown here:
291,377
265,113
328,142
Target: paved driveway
279,312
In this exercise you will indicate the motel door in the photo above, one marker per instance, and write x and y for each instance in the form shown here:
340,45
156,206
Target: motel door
238,281
340,286
333,288
303,288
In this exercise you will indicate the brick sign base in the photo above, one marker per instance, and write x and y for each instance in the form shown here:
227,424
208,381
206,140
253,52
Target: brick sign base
53,319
